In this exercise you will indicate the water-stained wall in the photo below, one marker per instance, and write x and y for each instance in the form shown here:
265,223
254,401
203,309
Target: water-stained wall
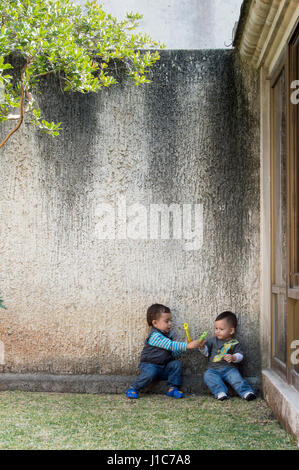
76,302
182,24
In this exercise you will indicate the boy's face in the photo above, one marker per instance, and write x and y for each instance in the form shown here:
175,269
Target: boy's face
223,330
163,323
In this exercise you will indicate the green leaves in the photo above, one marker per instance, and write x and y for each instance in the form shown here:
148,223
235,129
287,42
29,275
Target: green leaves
56,36
4,78
46,127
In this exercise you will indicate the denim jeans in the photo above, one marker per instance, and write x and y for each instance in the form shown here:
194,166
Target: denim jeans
214,379
172,372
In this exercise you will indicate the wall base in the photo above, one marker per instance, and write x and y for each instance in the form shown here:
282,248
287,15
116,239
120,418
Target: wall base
283,400
96,383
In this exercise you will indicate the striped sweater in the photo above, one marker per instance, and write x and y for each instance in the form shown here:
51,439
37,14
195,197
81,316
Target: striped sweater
160,341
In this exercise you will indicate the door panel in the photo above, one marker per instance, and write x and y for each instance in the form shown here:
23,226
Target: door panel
279,222
293,216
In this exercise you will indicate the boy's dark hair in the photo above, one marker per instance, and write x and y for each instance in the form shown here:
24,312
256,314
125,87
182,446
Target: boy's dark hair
230,317
154,312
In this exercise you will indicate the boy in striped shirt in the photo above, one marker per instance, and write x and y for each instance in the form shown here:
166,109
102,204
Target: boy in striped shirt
158,355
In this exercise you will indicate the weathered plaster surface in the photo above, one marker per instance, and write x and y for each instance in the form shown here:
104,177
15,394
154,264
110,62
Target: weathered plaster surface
76,304
181,24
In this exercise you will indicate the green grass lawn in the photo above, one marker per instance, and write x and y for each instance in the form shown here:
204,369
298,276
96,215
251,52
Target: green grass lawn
72,421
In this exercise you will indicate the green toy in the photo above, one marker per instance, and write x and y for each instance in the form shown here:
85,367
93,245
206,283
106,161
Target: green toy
225,348
202,336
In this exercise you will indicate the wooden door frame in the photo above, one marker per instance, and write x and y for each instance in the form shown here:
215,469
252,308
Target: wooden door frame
292,192
286,370
279,366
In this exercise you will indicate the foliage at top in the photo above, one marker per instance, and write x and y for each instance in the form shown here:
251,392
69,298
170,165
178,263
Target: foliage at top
75,43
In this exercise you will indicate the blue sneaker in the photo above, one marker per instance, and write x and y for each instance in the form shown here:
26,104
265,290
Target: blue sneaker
131,393
175,393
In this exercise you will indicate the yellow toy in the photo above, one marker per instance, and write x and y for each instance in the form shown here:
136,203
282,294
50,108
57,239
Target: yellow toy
186,328
189,339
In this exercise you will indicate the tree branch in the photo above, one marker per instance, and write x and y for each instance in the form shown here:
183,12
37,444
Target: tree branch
42,74
30,99
21,115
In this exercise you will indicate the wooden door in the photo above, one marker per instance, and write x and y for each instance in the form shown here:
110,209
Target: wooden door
285,213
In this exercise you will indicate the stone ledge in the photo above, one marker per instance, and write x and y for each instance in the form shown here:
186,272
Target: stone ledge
283,400
96,383
261,29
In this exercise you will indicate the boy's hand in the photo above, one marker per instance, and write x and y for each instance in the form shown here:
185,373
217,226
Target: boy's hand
202,344
193,344
229,358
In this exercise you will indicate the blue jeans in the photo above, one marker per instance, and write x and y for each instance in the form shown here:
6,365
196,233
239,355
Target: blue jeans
172,372
214,380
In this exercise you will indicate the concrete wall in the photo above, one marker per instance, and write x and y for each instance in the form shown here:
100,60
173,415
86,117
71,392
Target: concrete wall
182,24
76,303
